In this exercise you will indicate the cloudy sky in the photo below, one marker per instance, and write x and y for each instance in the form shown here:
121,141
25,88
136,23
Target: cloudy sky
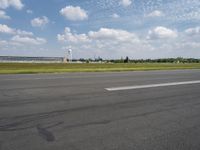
105,28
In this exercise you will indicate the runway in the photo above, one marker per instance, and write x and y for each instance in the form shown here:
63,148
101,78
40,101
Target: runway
153,110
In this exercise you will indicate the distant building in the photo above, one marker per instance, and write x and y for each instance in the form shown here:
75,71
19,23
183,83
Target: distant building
30,59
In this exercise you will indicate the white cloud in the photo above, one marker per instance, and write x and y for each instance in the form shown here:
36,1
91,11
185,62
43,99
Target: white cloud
29,11
156,13
3,15
14,3
103,34
3,42
115,15
189,45
20,37
24,33
125,3
162,33
116,43
193,31
28,40
104,42
113,34
74,13
40,21
5,29
68,36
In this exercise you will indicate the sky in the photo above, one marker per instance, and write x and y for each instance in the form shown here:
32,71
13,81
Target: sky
110,29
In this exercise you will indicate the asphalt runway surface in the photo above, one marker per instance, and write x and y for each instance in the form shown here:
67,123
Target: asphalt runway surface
154,110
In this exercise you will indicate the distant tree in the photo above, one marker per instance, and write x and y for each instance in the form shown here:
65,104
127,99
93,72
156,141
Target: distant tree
126,60
161,60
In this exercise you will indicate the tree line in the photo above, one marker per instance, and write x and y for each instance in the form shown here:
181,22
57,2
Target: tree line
128,60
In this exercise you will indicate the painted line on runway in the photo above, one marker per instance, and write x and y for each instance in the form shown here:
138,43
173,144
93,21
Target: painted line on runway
151,85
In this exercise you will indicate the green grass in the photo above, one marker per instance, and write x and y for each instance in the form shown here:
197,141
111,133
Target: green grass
23,68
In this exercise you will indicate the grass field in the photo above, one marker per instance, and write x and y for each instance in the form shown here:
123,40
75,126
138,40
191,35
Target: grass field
22,68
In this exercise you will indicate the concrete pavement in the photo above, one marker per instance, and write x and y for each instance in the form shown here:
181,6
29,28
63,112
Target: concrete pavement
74,111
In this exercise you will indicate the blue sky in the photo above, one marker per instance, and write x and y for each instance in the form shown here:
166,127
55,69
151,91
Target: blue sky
105,28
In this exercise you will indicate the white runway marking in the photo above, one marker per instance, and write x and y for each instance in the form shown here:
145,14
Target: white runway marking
151,85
